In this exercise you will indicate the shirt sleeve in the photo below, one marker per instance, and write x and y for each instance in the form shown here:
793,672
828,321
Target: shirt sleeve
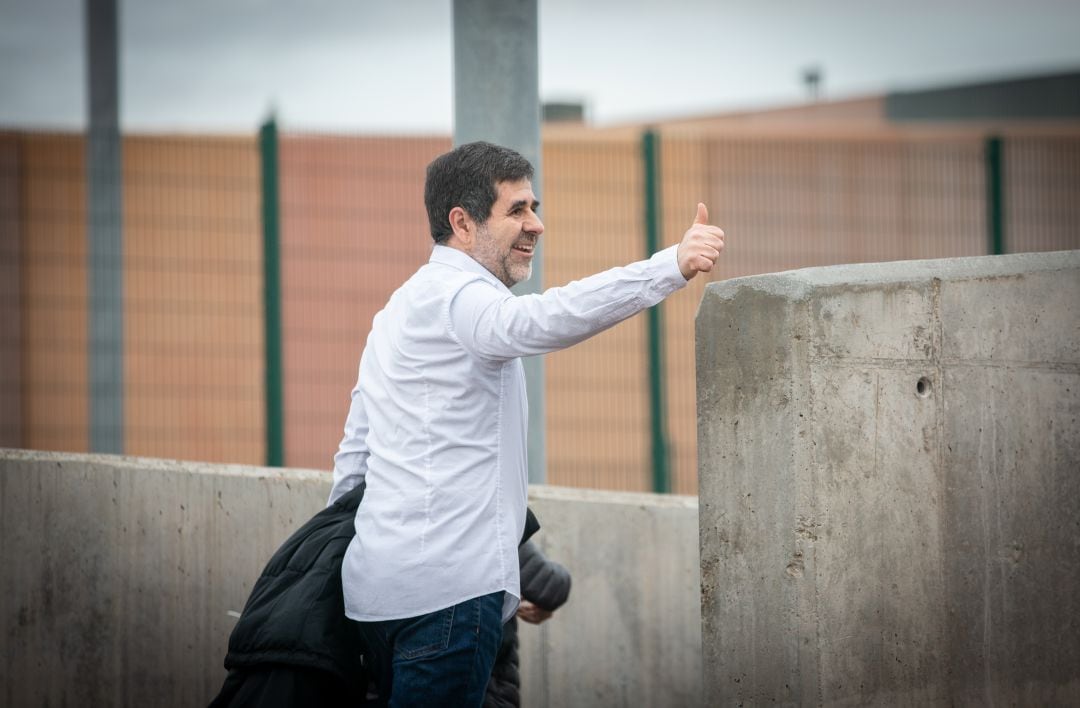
351,460
494,324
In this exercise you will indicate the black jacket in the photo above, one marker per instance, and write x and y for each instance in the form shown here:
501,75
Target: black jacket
292,643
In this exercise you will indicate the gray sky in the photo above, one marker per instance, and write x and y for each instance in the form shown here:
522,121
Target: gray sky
362,65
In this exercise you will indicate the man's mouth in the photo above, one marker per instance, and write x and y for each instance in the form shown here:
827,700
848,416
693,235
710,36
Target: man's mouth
525,248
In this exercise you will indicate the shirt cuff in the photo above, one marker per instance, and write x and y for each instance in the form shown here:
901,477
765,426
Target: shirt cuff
669,277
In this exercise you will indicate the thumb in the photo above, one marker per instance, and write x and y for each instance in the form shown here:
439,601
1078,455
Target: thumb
702,214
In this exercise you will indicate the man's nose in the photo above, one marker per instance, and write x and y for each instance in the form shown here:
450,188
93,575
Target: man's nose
534,225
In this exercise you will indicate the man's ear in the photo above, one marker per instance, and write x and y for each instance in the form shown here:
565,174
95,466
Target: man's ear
463,226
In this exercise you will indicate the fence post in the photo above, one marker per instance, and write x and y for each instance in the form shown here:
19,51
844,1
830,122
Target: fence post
268,153
497,98
661,477
105,228
995,223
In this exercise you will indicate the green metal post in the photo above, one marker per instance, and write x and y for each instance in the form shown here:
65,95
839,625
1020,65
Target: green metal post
275,429
650,146
995,221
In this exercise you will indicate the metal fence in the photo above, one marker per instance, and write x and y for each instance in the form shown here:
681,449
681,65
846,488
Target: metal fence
192,296
252,267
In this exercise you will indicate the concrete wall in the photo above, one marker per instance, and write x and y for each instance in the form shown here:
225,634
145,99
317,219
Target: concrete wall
890,484
630,633
119,574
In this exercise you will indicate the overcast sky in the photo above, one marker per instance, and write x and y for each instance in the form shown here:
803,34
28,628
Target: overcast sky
385,66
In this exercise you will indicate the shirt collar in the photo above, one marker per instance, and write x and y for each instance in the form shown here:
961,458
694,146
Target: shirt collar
447,255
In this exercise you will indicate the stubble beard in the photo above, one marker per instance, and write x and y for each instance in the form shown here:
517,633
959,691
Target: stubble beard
517,272
501,265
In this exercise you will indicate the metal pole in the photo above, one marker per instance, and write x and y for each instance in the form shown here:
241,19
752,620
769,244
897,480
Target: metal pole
497,98
995,221
661,476
105,257
275,417
12,349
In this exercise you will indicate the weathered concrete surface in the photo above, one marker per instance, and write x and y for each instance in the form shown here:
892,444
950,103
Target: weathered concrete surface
890,484
630,633
119,574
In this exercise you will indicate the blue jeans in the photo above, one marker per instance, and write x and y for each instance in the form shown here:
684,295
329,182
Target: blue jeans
439,659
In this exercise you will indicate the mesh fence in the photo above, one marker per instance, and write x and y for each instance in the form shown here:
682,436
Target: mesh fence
45,338
1042,206
192,264
597,392
352,228
193,299
788,203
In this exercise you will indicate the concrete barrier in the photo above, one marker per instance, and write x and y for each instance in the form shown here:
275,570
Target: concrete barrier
890,484
630,635
119,575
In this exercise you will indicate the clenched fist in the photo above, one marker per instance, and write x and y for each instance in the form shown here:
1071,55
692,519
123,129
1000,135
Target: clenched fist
700,246
533,614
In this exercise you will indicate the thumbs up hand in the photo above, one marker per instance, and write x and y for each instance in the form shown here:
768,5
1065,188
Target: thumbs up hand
700,246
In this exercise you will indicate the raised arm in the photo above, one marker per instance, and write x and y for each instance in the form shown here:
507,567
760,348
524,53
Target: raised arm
495,325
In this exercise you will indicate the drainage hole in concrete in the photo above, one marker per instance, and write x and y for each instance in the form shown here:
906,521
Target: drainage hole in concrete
922,388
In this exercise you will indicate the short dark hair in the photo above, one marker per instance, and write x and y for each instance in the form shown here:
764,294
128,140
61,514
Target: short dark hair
468,177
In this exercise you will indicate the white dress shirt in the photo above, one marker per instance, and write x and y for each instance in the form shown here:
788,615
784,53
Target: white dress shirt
437,427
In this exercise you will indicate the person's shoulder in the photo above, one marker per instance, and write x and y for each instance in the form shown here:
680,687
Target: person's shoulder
444,277
437,285
457,270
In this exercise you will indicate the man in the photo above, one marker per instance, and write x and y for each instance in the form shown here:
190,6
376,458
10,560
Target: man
438,419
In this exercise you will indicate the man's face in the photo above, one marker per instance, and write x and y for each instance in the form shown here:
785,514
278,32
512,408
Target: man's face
506,241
